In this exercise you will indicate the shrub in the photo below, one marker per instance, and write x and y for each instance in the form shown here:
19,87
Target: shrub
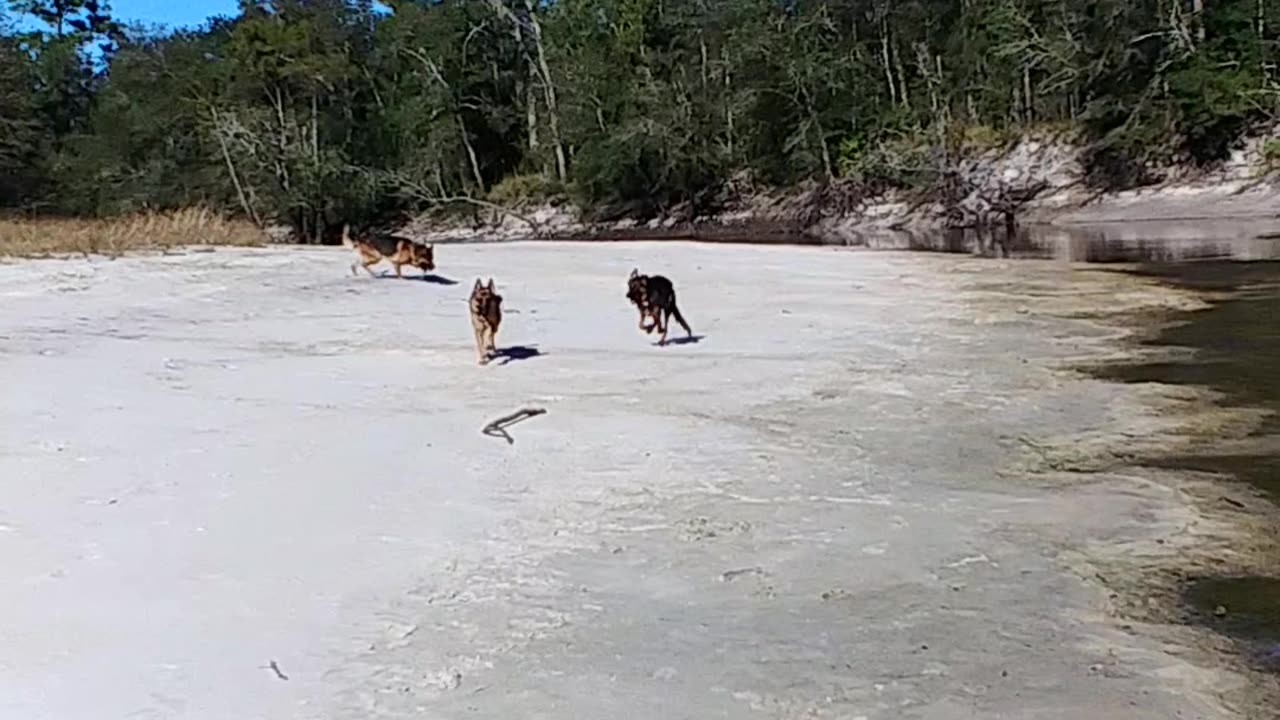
532,188
37,237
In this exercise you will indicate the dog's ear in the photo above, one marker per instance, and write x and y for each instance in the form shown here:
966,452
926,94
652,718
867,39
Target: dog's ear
490,284
635,272
477,287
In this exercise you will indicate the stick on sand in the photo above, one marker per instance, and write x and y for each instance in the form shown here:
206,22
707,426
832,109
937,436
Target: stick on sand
498,428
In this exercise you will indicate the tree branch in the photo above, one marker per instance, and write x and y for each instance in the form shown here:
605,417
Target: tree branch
422,193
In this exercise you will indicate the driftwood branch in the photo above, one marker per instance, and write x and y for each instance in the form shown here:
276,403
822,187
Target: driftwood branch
421,193
498,428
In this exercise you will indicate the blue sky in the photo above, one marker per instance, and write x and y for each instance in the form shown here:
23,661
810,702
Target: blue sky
170,13
173,13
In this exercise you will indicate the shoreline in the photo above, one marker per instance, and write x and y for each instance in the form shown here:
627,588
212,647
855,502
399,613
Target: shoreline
1213,525
1039,180
1191,587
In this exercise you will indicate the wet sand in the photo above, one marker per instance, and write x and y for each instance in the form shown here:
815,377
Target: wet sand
1230,347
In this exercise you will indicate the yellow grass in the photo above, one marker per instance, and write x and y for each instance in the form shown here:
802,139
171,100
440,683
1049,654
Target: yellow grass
43,237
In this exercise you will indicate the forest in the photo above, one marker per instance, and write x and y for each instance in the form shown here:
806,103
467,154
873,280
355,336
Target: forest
312,113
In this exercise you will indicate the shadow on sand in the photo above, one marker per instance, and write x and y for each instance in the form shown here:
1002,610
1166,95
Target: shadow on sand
426,277
687,340
516,352
438,279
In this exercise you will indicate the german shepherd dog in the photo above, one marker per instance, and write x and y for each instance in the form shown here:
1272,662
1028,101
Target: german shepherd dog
655,297
373,249
486,316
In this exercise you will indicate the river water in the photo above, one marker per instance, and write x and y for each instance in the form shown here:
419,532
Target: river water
1237,344
1236,353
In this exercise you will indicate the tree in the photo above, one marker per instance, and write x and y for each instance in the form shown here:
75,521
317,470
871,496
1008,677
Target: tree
21,131
321,112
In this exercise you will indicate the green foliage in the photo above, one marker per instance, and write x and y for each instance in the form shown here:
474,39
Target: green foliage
530,188
21,126
980,138
321,112
900,162
1271,152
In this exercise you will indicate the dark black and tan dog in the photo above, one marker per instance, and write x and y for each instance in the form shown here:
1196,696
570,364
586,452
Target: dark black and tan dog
655,297
486,316
374,249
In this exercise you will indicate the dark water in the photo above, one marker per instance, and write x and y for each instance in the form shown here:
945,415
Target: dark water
1246,608
1236,344
1155,243
1243,239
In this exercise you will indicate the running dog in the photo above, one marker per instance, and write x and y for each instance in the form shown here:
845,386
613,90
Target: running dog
655,297
374,249
486,316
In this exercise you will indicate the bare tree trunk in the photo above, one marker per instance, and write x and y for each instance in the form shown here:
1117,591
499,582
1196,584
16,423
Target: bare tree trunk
472,159
728,102
231,168
902,79
944,105
317,223
471,155
886,58
1029,112
531,113
702,48
1197,10
817,129
926,72
525,87
599,108
544,71
549,91
1267,68
439,178
315,130
282,141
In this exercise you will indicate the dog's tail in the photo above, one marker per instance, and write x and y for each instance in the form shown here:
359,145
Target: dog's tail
675,313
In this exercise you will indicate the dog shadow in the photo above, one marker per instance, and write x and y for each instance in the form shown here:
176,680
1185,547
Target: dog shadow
427,278
685,340
438,279
516,352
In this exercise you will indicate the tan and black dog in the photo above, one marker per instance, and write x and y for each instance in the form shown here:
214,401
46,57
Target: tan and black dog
655,297
486,316
374,249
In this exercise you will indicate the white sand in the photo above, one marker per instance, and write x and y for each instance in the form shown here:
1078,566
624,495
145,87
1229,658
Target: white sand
215,461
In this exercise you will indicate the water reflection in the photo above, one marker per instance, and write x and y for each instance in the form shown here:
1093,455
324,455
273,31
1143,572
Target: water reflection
1129,242
1245,608
1116,243
1237,344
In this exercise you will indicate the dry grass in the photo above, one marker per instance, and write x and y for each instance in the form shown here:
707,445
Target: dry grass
45,237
